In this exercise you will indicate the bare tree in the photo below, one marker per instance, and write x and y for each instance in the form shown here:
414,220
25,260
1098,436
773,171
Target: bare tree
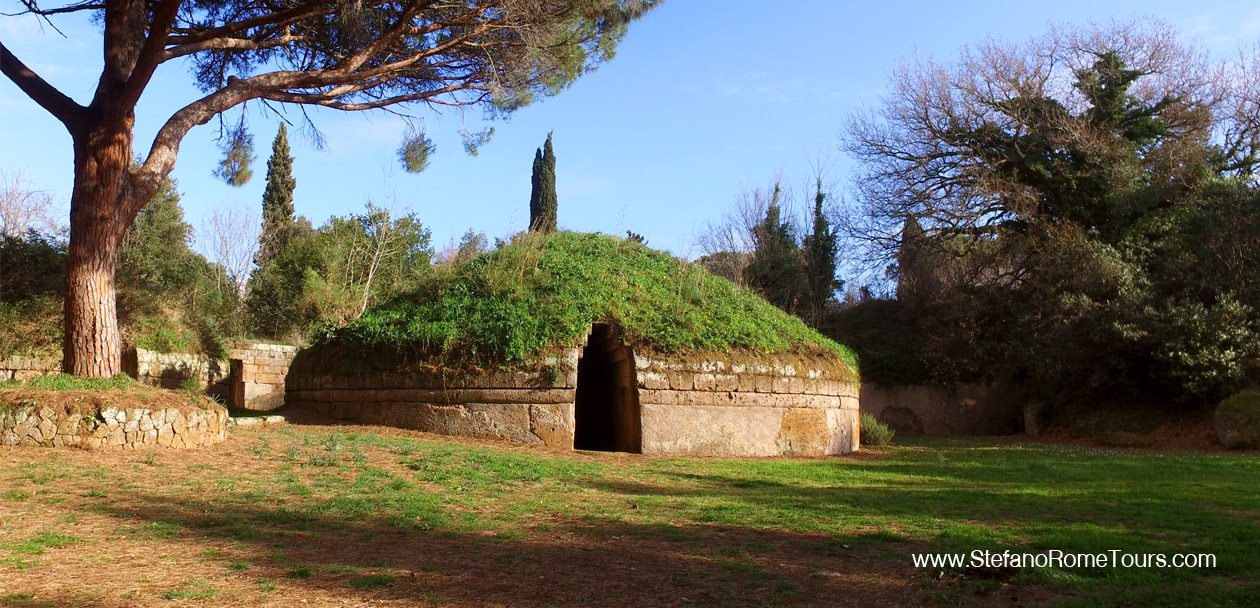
966,147
384,242
728,244
24,208
229,237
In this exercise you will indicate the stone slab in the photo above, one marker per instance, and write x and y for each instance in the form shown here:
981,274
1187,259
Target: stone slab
710,430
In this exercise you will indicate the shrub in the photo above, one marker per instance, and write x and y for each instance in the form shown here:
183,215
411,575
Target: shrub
1237,421
874,432
161,334
31,287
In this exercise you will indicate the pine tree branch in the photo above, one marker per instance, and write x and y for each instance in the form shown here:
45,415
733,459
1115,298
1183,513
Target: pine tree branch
228,44
47,96
151,54
32,8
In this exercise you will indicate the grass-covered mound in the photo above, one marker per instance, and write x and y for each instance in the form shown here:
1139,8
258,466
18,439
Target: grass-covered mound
541,292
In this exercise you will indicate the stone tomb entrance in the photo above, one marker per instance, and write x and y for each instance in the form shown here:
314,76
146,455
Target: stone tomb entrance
606,405
608,394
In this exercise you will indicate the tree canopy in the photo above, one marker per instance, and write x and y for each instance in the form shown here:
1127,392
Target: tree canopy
1053,130
1045,196
494,54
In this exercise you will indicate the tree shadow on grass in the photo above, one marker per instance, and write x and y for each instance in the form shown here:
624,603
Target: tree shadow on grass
574,562
1046,500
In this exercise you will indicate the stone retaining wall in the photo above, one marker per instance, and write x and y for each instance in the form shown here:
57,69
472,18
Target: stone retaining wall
258,375
109,427
171,370
523,406
953,409
747,405
708,405
26,368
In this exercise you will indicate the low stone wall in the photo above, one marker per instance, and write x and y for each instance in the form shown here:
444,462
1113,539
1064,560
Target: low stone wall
747,405
956,409
171,370
26,368
523,406
111,427
251,378
257,375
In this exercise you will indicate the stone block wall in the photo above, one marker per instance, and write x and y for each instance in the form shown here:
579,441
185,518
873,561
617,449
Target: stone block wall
111,427
26,368
257,374
708,405
747,405
522,406
171,370
952,409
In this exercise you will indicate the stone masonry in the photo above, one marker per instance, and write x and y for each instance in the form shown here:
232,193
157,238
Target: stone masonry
948,409
171,370
257,375
27,368
747,405
521,406
710,404
111,427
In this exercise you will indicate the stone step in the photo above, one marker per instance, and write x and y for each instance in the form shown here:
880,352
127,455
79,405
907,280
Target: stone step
255,420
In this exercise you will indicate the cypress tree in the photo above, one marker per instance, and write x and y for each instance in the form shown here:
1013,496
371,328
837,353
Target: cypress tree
821,248
277,224
777,270
542,197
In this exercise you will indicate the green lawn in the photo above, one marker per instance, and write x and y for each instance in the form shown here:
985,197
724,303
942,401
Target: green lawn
299,510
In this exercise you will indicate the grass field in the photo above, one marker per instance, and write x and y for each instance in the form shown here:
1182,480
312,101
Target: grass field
331,516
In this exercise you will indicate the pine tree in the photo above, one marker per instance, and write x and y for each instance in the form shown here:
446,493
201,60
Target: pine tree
277,227
542,198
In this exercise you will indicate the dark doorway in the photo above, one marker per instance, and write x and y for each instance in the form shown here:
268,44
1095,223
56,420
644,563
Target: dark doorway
606,411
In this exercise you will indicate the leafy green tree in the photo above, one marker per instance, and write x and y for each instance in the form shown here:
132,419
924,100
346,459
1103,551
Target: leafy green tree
471,245
169,296
155,256
277,201
542,196
342,55
275,289
328,277
373,256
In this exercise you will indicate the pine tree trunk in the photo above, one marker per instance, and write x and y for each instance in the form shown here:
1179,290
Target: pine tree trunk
99,217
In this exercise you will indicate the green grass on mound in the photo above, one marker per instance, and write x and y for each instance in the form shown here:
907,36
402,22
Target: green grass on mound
543,291
67,382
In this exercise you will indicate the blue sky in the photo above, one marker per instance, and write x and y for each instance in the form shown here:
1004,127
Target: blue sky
703,99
